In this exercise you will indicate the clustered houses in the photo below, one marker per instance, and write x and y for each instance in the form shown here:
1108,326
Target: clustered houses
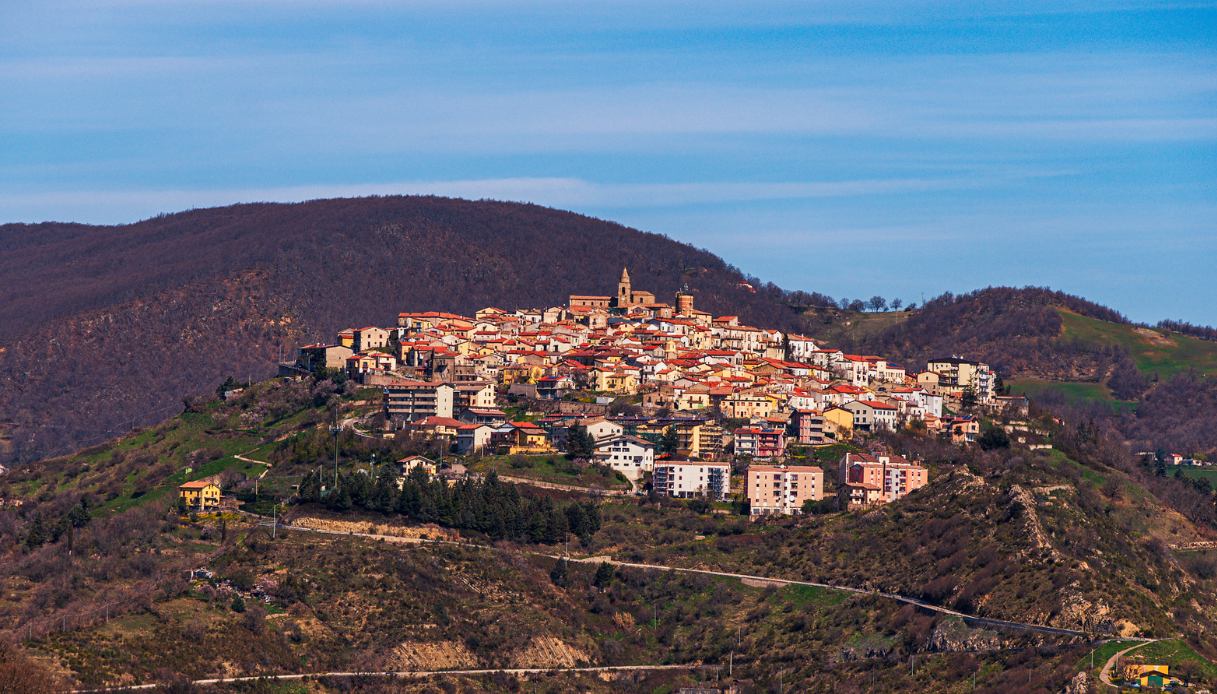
706,386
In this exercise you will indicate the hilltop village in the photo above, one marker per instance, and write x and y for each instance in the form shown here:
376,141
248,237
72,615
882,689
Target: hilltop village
669,396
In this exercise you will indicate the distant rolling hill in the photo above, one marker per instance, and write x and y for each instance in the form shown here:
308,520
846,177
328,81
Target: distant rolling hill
105,328
1066,352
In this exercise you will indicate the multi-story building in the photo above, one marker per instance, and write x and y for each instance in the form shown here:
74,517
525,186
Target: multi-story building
957,375
369,338
407,401
807,427
699,439
364,363
313,357
472,438
963,429
630,455
473,394
783,489
690,478
867,480
760,443
872,415
747,406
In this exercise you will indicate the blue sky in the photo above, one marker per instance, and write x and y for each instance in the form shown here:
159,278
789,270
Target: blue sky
852,148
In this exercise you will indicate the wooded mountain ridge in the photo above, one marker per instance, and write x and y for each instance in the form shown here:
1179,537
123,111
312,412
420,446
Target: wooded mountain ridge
103,329
106,328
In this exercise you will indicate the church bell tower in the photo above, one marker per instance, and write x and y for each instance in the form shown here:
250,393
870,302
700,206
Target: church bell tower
624,292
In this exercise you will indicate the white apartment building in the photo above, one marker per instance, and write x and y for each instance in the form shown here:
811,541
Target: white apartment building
629,455
692,478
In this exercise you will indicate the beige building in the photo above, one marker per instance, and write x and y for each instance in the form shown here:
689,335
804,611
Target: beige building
867,480
746,406
956,375
370,338
323,356
475,394
406,401
783,489
587,302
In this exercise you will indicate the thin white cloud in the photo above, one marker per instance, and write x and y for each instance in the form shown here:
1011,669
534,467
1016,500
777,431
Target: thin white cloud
126,205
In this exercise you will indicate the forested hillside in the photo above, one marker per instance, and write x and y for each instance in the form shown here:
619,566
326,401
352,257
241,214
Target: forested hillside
106,328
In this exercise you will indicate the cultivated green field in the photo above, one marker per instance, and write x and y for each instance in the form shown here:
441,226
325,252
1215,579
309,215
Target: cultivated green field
1163,353
1071,390
1176,652
1208,473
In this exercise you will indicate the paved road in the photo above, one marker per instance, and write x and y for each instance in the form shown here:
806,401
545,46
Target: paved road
265,465
985,621
971,619
401,674
1105,673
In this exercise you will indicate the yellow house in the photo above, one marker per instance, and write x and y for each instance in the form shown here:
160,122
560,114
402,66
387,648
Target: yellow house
615,380
521,373
1150,676
745,406
841,420
693,399
199,494
527,437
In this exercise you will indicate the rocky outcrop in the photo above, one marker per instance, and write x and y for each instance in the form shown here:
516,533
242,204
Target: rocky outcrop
953,635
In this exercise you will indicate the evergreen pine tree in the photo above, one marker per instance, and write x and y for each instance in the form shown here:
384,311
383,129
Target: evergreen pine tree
669,441
604,575
559,574
36,535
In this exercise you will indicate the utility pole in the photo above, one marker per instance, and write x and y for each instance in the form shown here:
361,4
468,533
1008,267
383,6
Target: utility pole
335,430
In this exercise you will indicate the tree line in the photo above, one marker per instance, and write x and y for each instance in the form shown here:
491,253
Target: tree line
487,506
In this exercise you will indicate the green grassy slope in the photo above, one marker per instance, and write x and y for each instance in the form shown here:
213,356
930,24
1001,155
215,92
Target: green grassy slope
1072,391
1154,352
145,468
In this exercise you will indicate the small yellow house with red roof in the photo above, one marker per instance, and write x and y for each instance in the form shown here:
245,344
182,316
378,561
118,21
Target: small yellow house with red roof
201,494
528,437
